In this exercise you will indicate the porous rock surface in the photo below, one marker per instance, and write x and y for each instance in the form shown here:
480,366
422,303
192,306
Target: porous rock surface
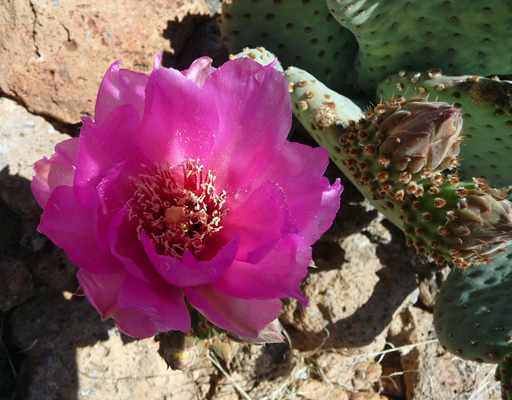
54,53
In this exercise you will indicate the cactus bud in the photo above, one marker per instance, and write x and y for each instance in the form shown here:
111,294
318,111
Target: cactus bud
467,223
224,346
482,224
181,351
419,134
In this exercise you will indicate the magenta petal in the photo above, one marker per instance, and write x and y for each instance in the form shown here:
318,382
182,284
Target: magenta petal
126,246
277,275
70,226
58,170
254,108
102,291
112,191
164,305
190,272
214,268
180,121
102,147
135,323
260,218
242,317
313,203
119,87
199,70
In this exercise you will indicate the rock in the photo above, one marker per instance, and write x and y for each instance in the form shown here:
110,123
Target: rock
352,305
316,390
113,369
353,373
430,372
430,286
52,268
260,371
15,284
55,53
24,139
71,353
367,396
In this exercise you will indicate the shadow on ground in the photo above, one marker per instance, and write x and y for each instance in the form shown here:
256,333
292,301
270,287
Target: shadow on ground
44,323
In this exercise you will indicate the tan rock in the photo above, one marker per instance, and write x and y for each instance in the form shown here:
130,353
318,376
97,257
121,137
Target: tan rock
24,139
430,372
367,396
351,373
351,306
71,353
54,53
316,390
117,370
15,283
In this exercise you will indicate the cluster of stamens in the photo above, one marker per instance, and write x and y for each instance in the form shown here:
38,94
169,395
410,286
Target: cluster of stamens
178,208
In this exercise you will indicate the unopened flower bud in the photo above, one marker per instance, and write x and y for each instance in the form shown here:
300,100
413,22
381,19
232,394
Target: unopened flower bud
181,351
224,346
482,225
418,134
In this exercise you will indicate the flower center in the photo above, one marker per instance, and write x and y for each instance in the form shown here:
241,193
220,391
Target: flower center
178,210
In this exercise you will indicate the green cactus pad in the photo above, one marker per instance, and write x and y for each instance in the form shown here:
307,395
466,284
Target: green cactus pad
260,55
504,375
470,37
397,155
473,316
487,112
300,33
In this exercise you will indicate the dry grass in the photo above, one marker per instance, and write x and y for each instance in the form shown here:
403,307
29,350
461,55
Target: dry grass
304,370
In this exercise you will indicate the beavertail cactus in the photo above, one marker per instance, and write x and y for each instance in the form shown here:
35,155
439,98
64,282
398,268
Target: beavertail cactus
468,37
260,55
301,33
472,316
400,156
486,105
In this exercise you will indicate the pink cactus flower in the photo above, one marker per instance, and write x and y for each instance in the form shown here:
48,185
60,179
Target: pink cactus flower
184,187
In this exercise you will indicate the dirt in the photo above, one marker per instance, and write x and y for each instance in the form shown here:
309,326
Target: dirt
366,335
